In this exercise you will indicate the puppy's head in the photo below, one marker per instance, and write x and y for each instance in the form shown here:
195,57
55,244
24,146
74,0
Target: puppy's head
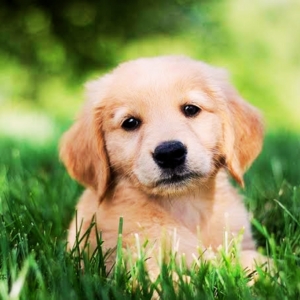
164,124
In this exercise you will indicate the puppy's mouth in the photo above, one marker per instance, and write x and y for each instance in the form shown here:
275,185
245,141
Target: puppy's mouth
176,179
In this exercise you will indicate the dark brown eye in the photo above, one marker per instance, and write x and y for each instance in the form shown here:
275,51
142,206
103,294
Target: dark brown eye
191,110
131,124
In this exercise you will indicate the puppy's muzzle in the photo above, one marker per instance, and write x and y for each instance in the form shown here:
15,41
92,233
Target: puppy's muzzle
170,155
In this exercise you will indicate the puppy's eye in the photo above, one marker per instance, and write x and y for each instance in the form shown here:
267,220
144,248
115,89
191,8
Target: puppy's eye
191,110
131,124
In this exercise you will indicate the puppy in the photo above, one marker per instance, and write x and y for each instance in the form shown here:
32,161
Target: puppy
156,143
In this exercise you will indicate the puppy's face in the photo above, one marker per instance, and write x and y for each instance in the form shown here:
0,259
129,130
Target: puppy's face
167,125
163,132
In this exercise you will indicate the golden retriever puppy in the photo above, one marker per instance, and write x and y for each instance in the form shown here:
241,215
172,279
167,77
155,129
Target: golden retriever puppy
155,144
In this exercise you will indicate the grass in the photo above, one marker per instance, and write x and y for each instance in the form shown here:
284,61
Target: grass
37,200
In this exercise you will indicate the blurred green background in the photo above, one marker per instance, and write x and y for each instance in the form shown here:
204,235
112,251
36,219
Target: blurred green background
48,49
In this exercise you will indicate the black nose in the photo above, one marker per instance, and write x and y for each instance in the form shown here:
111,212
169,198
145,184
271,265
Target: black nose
170,154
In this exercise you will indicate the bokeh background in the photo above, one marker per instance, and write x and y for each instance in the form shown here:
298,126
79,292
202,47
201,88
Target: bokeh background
48,49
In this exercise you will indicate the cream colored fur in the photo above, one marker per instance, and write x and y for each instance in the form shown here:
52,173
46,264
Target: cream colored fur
121,176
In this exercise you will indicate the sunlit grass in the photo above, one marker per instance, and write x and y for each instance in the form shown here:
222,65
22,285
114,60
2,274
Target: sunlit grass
36,127
37,202
264,43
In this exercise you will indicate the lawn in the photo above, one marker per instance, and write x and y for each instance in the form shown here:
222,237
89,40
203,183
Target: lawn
37,202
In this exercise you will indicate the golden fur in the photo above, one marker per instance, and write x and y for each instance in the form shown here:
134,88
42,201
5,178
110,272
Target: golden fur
122,178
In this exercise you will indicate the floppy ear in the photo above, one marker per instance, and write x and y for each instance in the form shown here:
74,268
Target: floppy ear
243,134
83,152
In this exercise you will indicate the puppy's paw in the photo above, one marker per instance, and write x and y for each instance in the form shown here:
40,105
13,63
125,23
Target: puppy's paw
251,259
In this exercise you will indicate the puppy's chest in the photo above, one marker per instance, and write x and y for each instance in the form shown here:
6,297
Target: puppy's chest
203,220
191,214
